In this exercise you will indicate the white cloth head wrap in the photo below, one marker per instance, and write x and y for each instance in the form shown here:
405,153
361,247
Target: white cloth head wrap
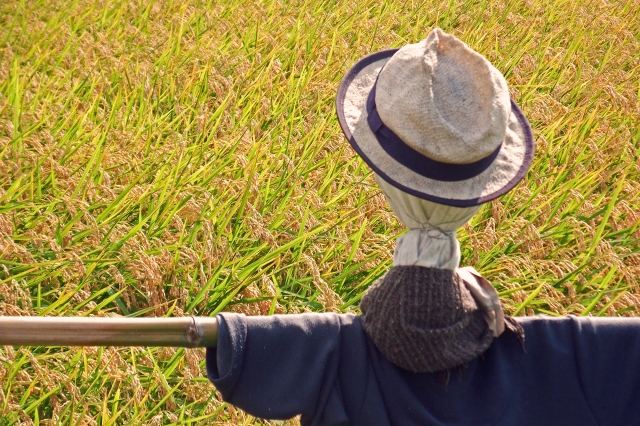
431,241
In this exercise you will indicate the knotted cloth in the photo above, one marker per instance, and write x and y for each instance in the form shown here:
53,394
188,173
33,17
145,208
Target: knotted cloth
426,314
431,241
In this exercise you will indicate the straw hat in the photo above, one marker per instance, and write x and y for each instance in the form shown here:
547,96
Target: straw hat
435,120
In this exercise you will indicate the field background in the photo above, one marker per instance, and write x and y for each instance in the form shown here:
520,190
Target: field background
169,158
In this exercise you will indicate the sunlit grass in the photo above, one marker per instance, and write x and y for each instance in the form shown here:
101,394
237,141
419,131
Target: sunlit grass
179,158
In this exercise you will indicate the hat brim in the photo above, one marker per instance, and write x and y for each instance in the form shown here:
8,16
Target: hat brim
508,168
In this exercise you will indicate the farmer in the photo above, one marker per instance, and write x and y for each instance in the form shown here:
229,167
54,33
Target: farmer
432,347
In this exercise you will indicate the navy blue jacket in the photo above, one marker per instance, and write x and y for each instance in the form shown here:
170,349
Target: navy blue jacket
575,371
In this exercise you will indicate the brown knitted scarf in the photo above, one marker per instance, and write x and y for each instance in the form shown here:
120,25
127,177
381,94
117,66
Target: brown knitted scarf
424,319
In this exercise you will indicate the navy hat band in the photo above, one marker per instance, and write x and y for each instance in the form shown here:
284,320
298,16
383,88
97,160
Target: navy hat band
416,161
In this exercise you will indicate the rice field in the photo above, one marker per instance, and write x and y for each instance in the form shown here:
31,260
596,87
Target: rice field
170,158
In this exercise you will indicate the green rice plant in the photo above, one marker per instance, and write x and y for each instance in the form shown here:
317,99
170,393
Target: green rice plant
171,158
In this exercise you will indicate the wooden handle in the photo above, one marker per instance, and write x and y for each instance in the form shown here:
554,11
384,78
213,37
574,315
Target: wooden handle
186,332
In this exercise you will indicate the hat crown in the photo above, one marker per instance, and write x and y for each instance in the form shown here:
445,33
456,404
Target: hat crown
444,100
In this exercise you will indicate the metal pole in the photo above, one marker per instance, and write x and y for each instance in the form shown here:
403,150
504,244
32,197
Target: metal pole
186,332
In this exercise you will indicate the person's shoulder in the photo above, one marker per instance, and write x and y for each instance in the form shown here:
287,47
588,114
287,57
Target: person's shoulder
572,321
304,321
